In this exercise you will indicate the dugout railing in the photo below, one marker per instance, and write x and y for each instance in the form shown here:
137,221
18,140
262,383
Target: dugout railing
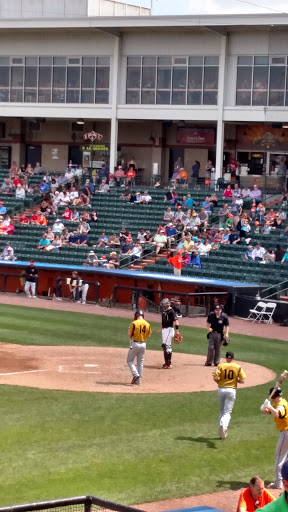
86,503
136,292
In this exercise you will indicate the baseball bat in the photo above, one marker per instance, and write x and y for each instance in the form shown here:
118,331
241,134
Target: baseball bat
279,382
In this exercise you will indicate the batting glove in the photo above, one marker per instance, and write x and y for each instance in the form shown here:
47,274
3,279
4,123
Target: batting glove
267,404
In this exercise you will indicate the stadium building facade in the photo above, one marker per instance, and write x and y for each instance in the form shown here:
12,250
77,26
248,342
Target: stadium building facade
154,88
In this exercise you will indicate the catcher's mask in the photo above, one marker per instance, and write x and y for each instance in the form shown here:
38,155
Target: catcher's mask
277,392
138,313
165,303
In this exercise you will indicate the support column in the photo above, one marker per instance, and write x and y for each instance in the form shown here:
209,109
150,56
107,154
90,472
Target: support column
220,122
114,103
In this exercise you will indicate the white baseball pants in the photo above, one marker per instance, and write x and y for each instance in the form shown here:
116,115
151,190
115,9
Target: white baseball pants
30,288
280,456
226,397
137,350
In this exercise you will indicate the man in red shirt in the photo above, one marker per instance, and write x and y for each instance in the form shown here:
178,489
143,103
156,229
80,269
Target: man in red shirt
17,181
255,496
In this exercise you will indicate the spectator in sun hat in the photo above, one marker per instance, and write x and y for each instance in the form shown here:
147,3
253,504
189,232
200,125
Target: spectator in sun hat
160,240
91,260
112,261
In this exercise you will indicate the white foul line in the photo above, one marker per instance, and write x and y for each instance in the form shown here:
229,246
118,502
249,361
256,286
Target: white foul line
19,373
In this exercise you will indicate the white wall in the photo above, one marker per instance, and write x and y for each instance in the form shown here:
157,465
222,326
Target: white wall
42,8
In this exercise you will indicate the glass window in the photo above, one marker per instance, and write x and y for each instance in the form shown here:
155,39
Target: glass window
103,61
163,97
59,85
45,61
4,83
102,78
195,61
30,92
73,84
149,61
4,61
17,79
244,83
260,61
31,61
195,78
88,61
245,61
210,87
102,96
148,77
88,84
59,61
260,85
44,84
133,97
194,97
178,97
148,97
164,78
179,78
211,61
133,78
277,86
164,61
134,61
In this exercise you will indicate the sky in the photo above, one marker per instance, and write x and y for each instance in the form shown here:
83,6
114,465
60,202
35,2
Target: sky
168,7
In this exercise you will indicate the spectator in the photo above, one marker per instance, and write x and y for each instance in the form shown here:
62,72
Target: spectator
205,248
228,194
266,230
236,193
188,244
256,194
126,195
246,192
73,194
24,219
61,180
43,242
123,235
203,216
103,187
74,215
213,201
127,248
282,172
285,257
236,211
148,237
65,237
119,176
113,241
8,253
91,260
74,237
171,233
94,216
195,260
254,497
29,170
249,253
38,168
102,240
113,261
67,213
102,174
182,176
234,238
45,207
58,289
206,204
3,208
130,176
160,240
13,169
41,219
58,227
279,253
82,200
44,188
282,215
50,234
146,198
244,226
258,252
141,236
6,188
20,192
168,215
223,214
69,175
189,201
170,196
176,261
64,198
136,252
195,174
229,221
179,214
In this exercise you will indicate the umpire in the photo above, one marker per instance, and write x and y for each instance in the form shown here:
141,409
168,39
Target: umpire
217,322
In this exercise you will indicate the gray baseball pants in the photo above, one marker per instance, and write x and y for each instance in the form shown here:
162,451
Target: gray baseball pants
226,397
214,348
137,350
280,456
30,289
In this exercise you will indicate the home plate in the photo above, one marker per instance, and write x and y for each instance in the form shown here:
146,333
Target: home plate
90,365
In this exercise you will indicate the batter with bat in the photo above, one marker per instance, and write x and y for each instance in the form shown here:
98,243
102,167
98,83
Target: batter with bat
227,375
279,409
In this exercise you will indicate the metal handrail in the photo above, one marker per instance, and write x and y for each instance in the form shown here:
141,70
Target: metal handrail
275,286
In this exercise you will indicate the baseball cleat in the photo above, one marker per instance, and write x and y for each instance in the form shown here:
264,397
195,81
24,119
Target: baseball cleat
223,432
134,379
164,367
208,364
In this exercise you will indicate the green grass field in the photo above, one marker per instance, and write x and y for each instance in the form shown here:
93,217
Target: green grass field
127,448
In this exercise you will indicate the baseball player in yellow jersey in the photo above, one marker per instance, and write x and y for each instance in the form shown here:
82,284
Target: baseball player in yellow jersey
138,333
279,409
227,375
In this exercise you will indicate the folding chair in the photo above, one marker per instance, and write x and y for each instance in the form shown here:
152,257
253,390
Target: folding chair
268,313
257,312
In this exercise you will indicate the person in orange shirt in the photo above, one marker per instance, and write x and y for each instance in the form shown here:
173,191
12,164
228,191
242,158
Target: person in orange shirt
41,219
255,496
176,261
182,176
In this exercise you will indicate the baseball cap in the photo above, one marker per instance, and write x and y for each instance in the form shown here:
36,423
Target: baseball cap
113,253
229,355
218,308
284,470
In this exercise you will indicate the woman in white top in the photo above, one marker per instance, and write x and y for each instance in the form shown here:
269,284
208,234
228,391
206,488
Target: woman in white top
20,192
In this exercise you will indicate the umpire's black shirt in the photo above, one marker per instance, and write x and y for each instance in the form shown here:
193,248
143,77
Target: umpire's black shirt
217,324
168,318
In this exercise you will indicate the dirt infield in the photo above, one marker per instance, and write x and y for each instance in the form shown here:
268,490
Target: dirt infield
104,369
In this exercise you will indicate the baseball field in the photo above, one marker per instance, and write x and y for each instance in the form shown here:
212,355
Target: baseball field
130,448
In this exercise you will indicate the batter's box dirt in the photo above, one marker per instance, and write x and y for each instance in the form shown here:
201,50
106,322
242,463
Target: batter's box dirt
105,370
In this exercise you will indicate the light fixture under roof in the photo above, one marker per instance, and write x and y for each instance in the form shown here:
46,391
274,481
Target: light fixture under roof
80,121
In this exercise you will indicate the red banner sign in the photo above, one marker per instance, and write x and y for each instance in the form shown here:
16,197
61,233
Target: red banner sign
195,137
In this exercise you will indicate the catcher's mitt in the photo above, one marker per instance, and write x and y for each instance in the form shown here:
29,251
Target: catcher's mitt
226,340
178,338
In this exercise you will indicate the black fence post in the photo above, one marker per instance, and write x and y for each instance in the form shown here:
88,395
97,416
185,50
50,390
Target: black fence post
187,305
